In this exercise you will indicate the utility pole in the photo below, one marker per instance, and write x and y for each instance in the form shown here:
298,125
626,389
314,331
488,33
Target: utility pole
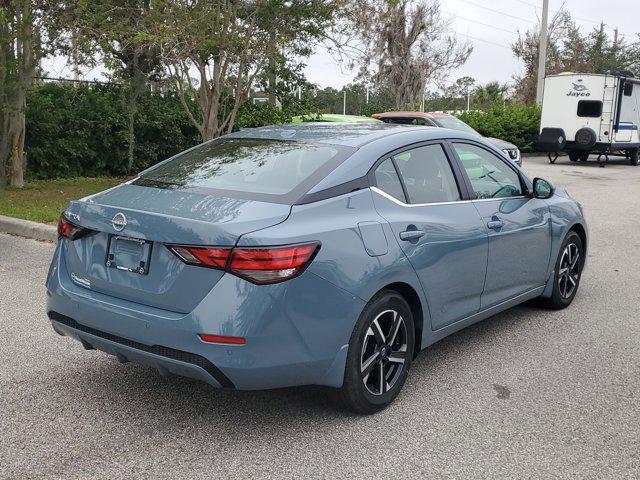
615,50
542,51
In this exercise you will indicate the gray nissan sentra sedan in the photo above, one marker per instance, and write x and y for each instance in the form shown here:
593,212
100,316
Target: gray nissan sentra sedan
325,254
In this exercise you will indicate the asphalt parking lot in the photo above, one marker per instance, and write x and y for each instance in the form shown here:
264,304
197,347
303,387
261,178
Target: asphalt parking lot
526,394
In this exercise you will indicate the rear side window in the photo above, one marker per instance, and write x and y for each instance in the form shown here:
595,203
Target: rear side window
387,180
589,108
427,175
259,166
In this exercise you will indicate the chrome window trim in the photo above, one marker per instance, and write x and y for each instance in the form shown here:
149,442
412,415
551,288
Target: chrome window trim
498,198
395,200
402,204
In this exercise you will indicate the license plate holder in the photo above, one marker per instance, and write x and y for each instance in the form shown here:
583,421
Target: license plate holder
129,254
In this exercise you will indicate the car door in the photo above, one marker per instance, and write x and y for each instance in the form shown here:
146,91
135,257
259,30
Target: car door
437,227
518,225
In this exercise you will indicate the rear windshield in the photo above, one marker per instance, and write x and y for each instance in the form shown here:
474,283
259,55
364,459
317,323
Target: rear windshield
248,165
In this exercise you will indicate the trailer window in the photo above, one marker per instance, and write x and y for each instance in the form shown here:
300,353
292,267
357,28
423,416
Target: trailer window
628,89
589,108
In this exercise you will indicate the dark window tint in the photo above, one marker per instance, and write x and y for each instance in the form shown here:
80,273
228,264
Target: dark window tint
628,89
427,175
589,108
245,165
408,121
387,180
490,176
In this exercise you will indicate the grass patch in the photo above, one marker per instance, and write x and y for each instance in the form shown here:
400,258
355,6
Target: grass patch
43,200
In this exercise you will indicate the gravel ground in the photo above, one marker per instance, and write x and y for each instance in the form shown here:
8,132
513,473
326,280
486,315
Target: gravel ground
525,394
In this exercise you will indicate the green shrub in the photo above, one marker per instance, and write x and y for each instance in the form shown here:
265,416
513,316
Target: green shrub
511,122
81,131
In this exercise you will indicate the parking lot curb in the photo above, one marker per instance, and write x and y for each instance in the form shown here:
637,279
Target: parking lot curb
28,229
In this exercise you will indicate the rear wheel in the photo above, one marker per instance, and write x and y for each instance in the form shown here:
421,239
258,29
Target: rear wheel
567,272
574,156
634,153
380,354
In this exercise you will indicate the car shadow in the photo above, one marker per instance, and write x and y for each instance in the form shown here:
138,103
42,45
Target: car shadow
142,392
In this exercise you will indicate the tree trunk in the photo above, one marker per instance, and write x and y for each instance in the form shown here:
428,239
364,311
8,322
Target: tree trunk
16,145
132,107
4,148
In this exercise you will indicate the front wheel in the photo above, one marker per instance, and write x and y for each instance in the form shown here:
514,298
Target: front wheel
567,272
380,354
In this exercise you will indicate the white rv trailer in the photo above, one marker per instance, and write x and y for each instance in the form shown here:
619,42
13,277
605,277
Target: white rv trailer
589,113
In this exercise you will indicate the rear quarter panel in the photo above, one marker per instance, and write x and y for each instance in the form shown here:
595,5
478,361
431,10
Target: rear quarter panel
344,260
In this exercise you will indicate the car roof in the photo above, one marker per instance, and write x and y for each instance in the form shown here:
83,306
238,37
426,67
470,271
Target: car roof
333,117
411,115
347,134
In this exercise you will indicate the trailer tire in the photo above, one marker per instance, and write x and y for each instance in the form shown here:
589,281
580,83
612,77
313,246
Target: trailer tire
573,156
634,153
584,156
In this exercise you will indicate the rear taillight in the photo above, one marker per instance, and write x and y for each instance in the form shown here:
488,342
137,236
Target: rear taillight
202,256
69,230
260,265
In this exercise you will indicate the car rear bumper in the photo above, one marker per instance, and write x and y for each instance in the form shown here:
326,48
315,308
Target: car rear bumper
296,332
166,360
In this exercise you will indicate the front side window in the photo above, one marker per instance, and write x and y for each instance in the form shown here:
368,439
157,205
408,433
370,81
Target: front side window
427,175
387,180
589,108
260,166
490,176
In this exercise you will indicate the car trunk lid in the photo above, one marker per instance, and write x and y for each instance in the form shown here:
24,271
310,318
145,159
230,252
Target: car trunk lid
133,223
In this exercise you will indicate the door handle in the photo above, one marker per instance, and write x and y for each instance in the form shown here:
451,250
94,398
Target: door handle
409,235
495,224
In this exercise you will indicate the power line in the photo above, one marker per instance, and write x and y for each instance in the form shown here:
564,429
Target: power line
537,7
497,11
481,23
483,40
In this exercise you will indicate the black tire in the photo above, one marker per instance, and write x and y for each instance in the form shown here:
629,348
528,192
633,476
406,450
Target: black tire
583,156
360,393
633,157
566,282
574,156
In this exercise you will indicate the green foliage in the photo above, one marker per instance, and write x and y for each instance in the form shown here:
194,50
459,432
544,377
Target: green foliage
83,131
250,116
512,122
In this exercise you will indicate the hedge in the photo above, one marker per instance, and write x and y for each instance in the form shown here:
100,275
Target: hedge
82,131
511,122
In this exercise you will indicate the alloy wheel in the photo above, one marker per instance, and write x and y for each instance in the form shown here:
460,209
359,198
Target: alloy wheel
384,350
569,271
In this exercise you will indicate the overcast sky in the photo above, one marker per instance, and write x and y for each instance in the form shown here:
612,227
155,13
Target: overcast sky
490,25
492,58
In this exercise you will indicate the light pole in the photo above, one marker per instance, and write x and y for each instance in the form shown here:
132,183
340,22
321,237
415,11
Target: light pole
344,103
542,51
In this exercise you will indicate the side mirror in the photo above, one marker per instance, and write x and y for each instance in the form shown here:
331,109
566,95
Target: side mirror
542,188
